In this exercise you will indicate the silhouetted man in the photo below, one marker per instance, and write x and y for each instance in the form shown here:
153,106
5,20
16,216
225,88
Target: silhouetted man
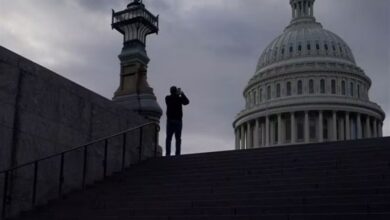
175,103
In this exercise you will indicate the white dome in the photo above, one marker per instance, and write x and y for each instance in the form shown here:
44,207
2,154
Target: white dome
307,89
305,39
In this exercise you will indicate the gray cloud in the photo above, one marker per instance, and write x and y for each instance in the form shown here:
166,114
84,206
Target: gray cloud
209,48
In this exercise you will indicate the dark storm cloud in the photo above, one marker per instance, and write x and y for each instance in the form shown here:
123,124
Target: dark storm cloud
101,5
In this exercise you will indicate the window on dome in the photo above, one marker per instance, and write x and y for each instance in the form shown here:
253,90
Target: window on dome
325,127
333,86
311,86
253,95
308,46
288,88
352,89
300,87
300,48
358,91
343,88
256,101
278,90
268,92
322,86
326,47
318,46
287,128
300,128
283,51
313,127
334,47
291,49
261,96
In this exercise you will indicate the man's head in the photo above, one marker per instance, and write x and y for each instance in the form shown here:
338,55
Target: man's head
173,90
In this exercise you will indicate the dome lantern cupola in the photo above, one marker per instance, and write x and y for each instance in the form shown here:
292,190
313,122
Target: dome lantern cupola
302,10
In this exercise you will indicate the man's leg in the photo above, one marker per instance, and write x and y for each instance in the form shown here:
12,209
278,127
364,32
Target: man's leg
168,140
178,129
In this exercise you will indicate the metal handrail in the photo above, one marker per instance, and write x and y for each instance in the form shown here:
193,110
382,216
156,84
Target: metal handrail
35,164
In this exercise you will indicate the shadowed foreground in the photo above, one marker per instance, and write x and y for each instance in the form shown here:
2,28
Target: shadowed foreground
345,180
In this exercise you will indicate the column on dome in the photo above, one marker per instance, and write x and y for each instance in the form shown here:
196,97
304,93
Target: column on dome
307,127
305,8
272,130
293,128
380,127
359,126
375,128
334,126
280,129
243,138
321,126
347,126
261,144
263,132
257,131
312,10
237,134
249,135
267,133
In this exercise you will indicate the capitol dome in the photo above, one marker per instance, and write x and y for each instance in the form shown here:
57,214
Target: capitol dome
304,40
307,88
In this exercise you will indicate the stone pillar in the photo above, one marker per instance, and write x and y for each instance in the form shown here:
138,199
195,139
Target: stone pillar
375,128
249,135
359,126
237,133
243,138
280,130
380,127
262,132
293,12
257,130
321,126
312,10
347,126
334,126
293,129
368,127
267,139
307,127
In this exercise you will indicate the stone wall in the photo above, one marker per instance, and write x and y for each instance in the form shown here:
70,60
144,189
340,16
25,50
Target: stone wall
42,113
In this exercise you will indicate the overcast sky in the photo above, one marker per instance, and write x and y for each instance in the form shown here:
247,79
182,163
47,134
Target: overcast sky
209,48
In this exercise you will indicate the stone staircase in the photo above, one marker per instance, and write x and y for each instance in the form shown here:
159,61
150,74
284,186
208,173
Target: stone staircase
332,181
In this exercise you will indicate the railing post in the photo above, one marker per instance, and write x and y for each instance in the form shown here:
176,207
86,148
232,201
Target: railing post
34,195
61,177
140,144
5,195
85,166
105,162
156,140
124,152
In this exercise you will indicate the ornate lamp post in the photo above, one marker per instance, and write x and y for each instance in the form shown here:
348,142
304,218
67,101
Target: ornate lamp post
134,92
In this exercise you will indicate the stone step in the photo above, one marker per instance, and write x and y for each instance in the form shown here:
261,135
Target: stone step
186,204
292,172
226,211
